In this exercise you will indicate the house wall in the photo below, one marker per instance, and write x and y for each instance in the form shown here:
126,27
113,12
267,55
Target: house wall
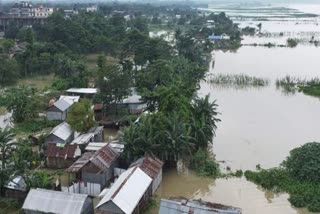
156,182
109,208
54,139
59,162
53,113
87,207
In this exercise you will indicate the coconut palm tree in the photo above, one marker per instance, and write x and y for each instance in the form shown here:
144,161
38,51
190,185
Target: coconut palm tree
6,137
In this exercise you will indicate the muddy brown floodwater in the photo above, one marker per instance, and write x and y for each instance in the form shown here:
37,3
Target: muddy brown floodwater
259,126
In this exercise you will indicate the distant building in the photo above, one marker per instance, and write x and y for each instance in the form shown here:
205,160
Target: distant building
183,206
62,133
61,156
96,167
40,201
26,9
133,103
92,9
219,37
95,146
59,110
82,92
129,194
153,168
16,188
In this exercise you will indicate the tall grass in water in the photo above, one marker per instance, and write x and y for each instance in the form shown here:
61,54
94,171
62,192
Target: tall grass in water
237,80
291,85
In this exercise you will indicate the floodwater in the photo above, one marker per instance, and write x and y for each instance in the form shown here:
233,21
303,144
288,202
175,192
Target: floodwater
259,125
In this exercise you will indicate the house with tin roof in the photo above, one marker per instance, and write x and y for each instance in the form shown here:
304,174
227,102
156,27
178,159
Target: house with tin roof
61,156
62,133
129,194
153,168
182,206
59,109
40,201
96,167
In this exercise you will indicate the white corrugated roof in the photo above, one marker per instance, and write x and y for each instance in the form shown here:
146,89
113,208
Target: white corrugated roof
95,146
63,131
128,189
62,104
82,90
70,99
48,201
83,138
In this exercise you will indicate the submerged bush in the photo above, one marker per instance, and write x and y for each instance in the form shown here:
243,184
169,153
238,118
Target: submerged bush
204,165
298,176
292,43
238,80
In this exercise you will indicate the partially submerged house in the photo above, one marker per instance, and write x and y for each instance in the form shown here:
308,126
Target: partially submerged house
153,168
41,201
59,109
82,92
219,37
183,206
98,133
96,167
133,103
128,194
61,156
62,133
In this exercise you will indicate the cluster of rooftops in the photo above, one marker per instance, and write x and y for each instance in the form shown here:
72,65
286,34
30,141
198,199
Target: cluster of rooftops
96,170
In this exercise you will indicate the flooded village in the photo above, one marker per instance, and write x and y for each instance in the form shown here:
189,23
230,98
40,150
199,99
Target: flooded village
198,107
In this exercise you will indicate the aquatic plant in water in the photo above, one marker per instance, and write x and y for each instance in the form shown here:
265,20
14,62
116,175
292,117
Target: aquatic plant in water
237,80
290,85
298,175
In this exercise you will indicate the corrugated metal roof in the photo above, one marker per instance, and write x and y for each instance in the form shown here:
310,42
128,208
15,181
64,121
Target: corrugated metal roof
95,146
185,206
83,139
17,183
63,150
62,104
82,90
63,131
151,166
48,201
103,158
70,99
128,189
96,130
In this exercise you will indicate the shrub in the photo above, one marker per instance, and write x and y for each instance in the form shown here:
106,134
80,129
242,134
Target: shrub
304,162
292,43
204,164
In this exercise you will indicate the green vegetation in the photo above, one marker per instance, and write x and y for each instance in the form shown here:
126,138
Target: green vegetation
34,125
81,116
292,42
204,165
298,175
237,80
291,85
8,205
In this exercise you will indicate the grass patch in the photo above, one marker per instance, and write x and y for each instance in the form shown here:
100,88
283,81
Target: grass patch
35,125
9,205
40,82
292,85
237,80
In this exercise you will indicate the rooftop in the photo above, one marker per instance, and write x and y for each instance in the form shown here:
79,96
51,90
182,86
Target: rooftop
63,131
127,190
63,150
82,90
184,206
48,201
102,159
151,166
83,139
62,104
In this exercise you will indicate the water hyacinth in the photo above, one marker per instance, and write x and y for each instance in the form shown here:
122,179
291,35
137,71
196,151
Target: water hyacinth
238,80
